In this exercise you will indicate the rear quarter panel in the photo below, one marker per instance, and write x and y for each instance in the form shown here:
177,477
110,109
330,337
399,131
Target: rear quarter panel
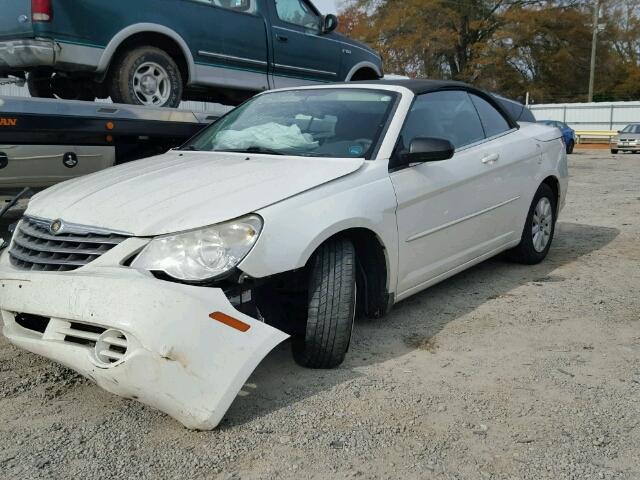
15,19
95,22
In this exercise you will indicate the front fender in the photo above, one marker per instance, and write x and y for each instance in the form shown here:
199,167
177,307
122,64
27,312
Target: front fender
295,228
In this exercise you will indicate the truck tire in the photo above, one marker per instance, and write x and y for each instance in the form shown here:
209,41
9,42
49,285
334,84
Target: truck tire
39,83
146,76
539,228
331,307
43,83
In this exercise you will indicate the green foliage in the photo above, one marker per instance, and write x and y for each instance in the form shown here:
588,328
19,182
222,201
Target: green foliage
508,46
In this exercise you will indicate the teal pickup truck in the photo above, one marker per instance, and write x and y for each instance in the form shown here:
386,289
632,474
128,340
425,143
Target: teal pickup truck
158,52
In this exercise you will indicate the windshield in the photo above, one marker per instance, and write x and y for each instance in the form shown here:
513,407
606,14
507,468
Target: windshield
340,122
633,128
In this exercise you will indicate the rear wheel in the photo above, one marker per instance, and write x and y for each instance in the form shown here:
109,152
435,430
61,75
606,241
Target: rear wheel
146,76
538,229
44,83
39,83
331,307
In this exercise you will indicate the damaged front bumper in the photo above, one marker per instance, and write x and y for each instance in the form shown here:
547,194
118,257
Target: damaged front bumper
139,337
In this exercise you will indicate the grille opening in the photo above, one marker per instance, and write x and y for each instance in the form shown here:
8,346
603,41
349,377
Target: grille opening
36,248
80,339
35,323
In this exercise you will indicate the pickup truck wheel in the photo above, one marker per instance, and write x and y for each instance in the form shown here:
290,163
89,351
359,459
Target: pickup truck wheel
331,307
538,229
39,83
146,76
43,83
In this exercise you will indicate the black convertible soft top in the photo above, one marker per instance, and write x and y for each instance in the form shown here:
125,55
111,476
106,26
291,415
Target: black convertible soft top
512,110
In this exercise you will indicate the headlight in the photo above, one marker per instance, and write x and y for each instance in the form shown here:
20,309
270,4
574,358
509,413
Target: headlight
201,254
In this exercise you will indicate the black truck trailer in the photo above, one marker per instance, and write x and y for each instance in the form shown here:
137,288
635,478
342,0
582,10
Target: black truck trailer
46,141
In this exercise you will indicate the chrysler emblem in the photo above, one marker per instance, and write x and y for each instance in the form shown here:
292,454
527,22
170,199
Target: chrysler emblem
56,226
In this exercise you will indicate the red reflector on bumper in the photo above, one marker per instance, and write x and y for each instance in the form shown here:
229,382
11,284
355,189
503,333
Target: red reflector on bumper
230,321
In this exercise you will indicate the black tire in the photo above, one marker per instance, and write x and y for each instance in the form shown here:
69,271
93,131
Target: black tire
39,83
525,252
570,147
331,307
122,83
614,151
43,83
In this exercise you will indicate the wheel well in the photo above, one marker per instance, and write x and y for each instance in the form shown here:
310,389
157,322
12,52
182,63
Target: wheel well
555,186
365,73
373,295
158,40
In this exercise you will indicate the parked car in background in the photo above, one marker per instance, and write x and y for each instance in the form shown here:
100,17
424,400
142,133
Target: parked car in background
627,139
168,279
158,52
568,133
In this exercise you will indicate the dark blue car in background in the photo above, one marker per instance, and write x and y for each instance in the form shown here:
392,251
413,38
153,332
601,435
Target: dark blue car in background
568,133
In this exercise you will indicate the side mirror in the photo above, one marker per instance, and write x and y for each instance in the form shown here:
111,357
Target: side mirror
427,149
329,23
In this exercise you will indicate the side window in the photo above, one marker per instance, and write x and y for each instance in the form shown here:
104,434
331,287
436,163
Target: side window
245,6
447,114
298,13
492,120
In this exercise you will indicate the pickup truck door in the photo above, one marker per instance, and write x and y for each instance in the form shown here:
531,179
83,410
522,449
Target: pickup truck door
301,52
229,43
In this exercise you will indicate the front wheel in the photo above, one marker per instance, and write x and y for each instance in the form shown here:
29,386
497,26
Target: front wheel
331,307
538,229
614,151
146,76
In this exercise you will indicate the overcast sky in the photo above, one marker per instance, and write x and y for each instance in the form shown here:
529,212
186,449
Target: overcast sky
325,6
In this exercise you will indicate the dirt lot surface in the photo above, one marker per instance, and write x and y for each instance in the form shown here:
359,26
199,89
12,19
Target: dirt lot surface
502,372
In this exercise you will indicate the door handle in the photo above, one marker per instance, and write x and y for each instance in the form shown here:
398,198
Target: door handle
491,158
282,38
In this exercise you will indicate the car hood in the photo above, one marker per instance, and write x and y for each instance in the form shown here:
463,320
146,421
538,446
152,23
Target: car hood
184,190
631,136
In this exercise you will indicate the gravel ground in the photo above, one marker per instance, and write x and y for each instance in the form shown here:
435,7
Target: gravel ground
502,372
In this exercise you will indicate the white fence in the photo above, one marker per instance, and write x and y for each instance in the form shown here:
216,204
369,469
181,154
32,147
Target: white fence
610,116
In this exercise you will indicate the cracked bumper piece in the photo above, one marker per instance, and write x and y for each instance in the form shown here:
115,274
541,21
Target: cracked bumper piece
17,54
142,338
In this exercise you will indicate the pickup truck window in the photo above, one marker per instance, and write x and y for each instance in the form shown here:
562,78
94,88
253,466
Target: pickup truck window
298,13
244,6
337,123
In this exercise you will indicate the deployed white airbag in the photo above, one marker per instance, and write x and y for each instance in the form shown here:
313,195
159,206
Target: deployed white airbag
268,135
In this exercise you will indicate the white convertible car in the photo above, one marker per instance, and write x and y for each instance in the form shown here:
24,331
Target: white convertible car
167,280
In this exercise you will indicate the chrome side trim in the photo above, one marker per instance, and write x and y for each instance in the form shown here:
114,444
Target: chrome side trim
222,56
459,220
302,69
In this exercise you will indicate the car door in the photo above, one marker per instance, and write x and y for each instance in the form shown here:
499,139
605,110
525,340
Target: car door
229,40
448,211
301,52
514,159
